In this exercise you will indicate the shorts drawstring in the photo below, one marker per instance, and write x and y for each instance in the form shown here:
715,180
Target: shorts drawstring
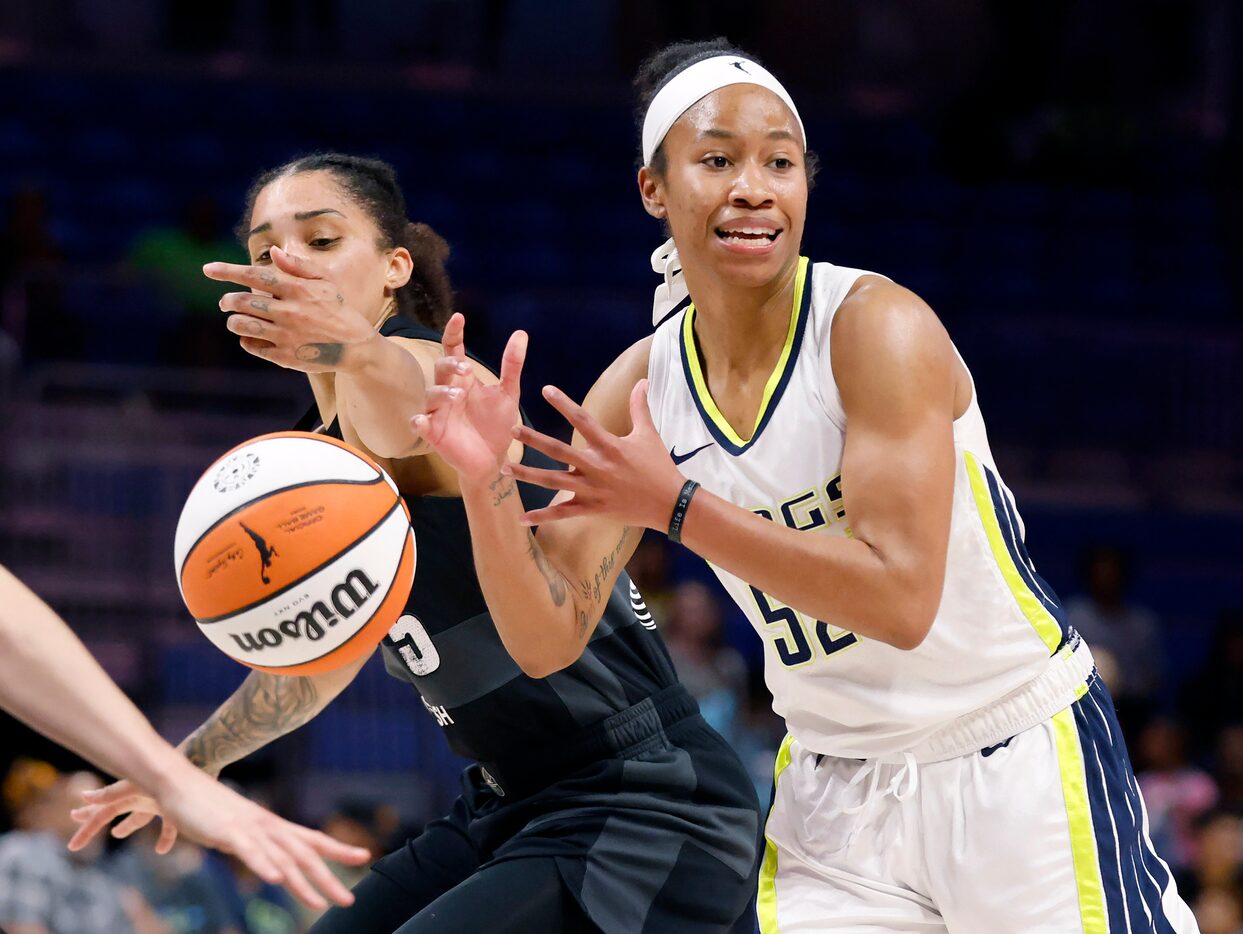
907,775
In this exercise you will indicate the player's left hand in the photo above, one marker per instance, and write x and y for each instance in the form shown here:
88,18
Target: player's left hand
293,316
630,479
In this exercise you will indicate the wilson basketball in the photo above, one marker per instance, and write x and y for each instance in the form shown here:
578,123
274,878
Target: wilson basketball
294,553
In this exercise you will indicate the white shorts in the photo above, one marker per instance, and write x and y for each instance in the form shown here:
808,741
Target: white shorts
1045,832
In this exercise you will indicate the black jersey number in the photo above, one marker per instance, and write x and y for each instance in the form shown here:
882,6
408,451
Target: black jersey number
414,646
795,650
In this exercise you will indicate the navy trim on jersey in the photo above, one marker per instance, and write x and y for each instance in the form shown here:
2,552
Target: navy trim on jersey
680,306
1008,522
1133,877
800,326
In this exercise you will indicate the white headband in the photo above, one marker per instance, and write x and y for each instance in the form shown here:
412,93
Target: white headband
692,84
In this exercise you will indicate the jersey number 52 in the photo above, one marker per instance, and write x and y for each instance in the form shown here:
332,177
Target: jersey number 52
795,649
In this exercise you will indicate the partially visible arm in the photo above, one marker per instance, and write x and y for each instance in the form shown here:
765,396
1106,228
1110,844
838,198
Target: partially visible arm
50,681
265,707
896,369
547,590
380,386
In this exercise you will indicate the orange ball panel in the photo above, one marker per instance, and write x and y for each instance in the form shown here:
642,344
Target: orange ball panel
271,543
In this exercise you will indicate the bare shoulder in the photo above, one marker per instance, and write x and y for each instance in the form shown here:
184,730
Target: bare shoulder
877,311
427,352
609,399
886,335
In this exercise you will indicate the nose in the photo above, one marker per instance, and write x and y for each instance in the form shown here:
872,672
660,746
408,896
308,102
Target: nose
751,187
293,247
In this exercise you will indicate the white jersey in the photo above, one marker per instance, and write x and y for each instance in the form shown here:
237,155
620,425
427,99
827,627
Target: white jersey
998,624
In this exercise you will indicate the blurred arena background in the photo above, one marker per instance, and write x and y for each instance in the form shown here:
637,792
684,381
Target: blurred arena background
1061,181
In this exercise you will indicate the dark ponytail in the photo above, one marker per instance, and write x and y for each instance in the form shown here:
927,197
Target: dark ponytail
428,296
372,184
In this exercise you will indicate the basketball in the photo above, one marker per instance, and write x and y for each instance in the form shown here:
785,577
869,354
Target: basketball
294,553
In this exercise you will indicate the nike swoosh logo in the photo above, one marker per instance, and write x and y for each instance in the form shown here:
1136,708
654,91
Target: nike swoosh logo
679,458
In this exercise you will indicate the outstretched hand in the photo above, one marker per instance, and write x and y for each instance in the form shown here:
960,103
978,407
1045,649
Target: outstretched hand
106,804
630,478
292,316
276,850
469,423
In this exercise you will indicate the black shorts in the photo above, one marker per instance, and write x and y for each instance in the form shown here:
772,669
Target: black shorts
664,839
522,896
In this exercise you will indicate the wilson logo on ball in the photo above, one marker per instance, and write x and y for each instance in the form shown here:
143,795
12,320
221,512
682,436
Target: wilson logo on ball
346,599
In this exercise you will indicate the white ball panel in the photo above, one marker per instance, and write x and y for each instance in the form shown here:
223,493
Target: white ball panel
254,470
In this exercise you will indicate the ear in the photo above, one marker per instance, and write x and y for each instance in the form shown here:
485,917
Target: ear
400,266
652,191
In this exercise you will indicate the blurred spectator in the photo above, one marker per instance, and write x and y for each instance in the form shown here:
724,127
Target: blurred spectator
1228,767
358,823
712,671
45,889
27,242
172,259
177,885
31,305
1176,793
1106,617
1218,911
255,906
1218,863
649,567
757,734
1213,696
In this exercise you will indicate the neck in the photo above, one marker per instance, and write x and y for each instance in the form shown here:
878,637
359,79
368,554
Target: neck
737,327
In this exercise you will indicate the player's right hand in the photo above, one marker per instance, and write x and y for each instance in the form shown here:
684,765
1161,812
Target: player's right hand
278,851
107,804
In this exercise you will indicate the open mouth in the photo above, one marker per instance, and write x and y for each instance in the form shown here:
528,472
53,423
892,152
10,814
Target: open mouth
747,236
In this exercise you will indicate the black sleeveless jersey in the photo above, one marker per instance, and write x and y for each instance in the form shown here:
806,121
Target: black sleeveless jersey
446,644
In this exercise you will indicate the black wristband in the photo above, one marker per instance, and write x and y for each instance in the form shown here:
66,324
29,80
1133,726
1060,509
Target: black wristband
679,510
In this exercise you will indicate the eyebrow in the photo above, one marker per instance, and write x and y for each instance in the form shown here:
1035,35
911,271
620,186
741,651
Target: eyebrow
300,216
716,133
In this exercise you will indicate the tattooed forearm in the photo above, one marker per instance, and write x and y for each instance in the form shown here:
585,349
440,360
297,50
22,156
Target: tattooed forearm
327,354
593,589
555,579
263,708
502,489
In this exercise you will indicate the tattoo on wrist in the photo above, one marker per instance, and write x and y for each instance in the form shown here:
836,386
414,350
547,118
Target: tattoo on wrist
502,489
327,354
556,581
263,708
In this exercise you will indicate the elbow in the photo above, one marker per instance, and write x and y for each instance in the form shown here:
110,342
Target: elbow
543,665
912,620
392,448
542,661
910,633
